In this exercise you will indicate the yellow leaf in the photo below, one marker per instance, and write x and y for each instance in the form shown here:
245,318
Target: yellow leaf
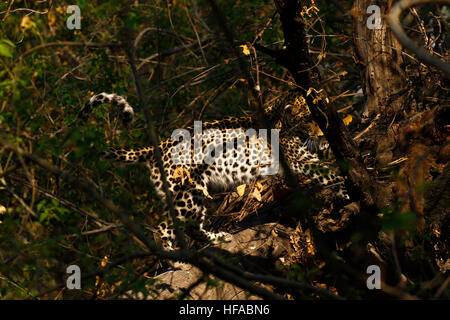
436,232
241,190
310,245
306,10
51,19
104,261
227,61
313,89
61,10
245,50
2,209
259,186
256,194
26,23
321,56
348,119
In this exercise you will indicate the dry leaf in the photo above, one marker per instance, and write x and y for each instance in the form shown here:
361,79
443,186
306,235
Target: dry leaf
311,249
104,261
61,10
26,23
245,50
348,119
436,232
241,190
51,19
321,56
311,89
256,194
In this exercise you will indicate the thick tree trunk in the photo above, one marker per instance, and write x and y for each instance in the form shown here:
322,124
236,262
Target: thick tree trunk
297,60
380,58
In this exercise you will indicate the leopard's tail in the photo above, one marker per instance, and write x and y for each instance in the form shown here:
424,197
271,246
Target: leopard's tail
127,112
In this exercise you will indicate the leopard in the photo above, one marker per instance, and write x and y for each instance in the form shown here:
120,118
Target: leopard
228,152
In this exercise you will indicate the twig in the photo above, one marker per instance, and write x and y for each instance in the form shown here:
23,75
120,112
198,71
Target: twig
196,33
359,135
70,43
130,50
198,16
399,32
187,291
72,70
442,288
280,282
172,51
402,280
254,94
158,30
188,256
62,201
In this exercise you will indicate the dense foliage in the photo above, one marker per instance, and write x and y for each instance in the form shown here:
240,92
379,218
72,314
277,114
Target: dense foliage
188,72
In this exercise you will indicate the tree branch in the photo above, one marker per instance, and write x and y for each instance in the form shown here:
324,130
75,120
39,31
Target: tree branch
70,43
189,256
130,51
399,32
299,63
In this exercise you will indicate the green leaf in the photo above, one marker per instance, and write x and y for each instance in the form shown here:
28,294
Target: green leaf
5,51
8,42
40,205
43,216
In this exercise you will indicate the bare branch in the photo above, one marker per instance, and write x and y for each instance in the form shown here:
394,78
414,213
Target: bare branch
189,256
70,43
399,32
130,50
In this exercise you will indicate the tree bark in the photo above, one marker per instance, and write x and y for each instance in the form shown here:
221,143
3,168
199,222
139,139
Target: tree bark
380,56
